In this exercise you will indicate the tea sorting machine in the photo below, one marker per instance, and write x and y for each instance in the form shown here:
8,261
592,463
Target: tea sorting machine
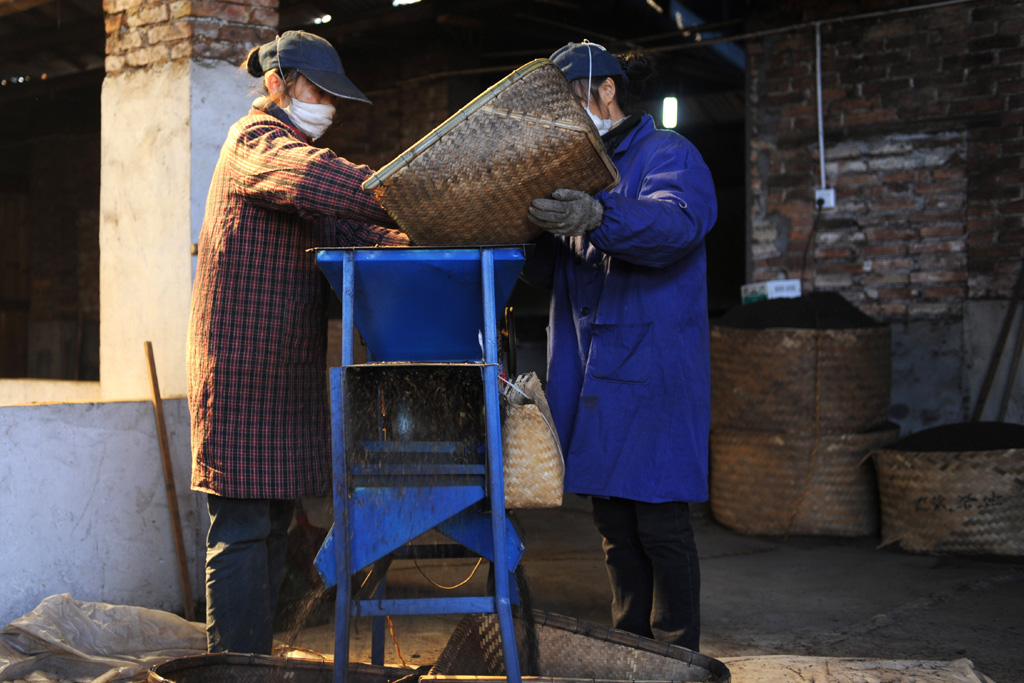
416,430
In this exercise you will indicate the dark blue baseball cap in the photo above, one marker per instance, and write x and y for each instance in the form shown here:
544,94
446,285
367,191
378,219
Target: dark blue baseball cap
313,57
587,60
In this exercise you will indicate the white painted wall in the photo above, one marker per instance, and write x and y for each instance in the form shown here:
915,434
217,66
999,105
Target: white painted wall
14,392
84,507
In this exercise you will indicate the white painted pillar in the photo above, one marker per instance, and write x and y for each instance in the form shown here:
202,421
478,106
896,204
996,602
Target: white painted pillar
162,127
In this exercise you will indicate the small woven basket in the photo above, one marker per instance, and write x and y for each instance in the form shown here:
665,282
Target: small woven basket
470,181
966,502
778,483
570,650
783,380
532,463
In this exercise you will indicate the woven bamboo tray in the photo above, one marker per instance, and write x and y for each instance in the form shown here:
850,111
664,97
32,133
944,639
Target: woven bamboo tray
230,667
569,650
966,502
777,483
784,380
470,181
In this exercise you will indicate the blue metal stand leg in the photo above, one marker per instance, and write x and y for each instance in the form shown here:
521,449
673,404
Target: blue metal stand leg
343,607
496,479
342,557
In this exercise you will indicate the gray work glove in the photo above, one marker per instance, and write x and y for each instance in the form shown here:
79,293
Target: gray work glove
567,212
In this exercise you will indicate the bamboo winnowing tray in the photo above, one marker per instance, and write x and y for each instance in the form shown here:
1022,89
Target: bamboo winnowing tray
470,181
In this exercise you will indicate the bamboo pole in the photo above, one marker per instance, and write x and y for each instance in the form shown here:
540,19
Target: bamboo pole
997,355
172,495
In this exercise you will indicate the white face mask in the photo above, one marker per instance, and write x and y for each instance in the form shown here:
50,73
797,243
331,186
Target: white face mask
311,119
603,125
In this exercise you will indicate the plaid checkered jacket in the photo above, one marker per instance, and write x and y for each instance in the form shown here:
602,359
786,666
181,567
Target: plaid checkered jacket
257,387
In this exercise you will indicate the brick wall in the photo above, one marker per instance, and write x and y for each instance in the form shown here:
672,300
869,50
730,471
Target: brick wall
142,33
923,144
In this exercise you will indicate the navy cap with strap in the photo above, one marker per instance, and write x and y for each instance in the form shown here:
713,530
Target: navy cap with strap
587,60
313,57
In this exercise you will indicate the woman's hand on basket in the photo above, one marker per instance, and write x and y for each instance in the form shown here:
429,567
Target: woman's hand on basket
566,212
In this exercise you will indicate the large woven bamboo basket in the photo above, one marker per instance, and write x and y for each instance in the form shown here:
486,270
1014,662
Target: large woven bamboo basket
470,181
569,650
964,502
796,380
775,483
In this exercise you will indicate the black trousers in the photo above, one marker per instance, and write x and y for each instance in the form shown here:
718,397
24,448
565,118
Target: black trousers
652,564
246,551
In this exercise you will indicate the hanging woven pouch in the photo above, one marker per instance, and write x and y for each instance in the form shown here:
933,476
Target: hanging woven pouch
532,461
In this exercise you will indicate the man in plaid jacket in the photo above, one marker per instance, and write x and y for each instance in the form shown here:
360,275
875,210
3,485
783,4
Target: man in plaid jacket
257,387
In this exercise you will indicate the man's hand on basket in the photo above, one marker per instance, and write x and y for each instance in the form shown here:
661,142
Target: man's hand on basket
567,212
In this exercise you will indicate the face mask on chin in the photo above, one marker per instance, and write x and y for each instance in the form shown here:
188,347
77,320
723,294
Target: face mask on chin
603,125
311,119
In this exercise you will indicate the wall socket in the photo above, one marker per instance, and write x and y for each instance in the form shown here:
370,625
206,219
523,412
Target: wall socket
826,198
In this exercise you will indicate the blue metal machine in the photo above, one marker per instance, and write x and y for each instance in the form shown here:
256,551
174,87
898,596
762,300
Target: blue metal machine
407,461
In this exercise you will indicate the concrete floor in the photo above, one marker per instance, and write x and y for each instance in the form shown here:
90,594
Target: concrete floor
815,596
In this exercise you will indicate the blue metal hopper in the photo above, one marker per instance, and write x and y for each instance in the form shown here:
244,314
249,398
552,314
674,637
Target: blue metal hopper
422,304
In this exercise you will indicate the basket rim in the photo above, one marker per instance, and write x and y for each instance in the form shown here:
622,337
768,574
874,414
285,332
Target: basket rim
884,452
402,160
157,672
609,634
806,330
717,669
231,658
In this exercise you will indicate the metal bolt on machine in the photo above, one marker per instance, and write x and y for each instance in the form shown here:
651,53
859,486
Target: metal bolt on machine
416,429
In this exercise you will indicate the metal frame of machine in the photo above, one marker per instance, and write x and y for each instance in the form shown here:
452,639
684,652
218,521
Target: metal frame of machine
433,308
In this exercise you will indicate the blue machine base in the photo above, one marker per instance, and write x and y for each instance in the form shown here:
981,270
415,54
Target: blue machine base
469,528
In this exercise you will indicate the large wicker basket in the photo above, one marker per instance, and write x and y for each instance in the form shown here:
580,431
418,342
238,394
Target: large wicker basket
569,650
778,483
470,181
785,380
965,502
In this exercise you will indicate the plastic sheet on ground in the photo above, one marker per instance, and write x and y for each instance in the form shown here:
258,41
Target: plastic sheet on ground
64,639
797,669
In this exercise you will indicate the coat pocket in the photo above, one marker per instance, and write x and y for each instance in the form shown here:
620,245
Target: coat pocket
621,353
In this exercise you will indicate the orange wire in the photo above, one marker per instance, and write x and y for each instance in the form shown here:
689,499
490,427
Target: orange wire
394,640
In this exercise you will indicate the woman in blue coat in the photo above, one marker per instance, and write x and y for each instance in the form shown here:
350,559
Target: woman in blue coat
628,357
